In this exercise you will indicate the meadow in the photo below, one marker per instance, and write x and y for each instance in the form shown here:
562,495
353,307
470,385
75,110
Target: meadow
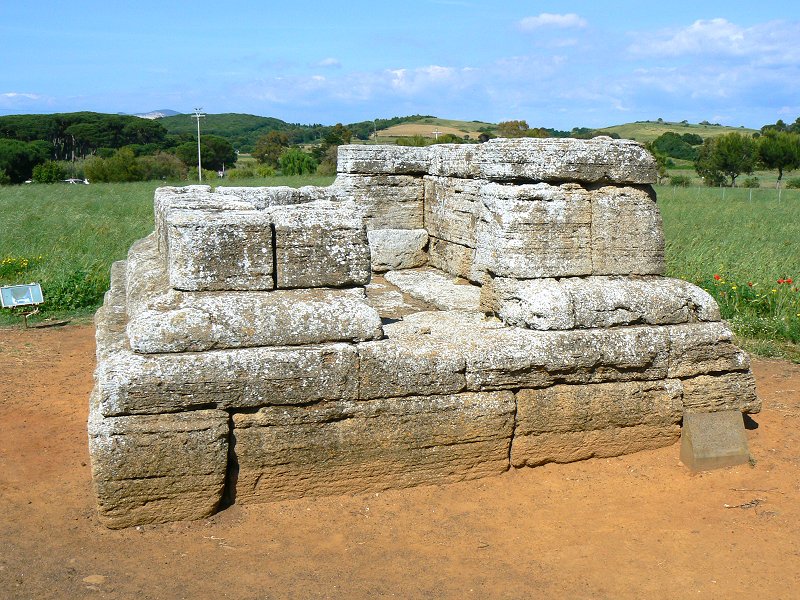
741,245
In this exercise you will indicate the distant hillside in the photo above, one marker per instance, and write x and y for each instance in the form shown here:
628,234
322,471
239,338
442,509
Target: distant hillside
647,131
426,127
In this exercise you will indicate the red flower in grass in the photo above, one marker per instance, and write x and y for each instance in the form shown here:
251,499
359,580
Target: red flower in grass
788,280
749,284
717,277
781,280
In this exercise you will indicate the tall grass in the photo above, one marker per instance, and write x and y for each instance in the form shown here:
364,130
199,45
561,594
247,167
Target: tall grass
738,244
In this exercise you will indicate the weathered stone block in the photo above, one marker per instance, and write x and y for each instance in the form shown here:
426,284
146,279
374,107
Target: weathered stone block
573,422
600,160
713,440
129,383
320,244
265,197
437,289
382,160
627,236
161,319
355,447
532,231
158,468
713,393
532,303
452,209
419,365
383,201
700,348
454,259
392,249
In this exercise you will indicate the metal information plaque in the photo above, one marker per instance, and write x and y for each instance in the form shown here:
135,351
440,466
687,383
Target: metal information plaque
21,295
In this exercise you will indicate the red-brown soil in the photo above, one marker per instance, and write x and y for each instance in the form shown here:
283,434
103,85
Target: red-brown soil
637,526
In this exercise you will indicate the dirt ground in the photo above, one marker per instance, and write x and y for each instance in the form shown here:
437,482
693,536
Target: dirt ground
638,526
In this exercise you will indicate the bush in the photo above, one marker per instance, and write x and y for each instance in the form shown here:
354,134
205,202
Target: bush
265,171
240,173
4,178
680,181
294,161
751,182
162,166
793,183
48,172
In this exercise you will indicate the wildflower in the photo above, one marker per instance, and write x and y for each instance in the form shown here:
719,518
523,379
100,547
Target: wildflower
749,284
717,277
788,280
733,287
774,291
780,280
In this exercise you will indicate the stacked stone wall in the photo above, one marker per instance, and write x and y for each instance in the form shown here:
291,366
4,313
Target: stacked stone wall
245,351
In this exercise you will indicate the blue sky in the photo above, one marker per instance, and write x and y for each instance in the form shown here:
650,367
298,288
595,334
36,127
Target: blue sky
555,64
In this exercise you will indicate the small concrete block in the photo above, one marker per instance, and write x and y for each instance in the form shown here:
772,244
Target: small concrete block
713,440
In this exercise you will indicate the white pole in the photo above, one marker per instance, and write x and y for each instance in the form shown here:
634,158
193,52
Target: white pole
198,115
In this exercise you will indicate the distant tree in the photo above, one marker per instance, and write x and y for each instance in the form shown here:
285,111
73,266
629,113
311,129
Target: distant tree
661,160
17,159
727,155
269,147
48,172
338,135
692,139
294,161
674,145
780,151
215,152
512,129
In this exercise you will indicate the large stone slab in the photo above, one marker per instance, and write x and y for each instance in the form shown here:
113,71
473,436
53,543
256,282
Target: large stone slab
436,288
532,231
718,392
383,201
627,235
392,249
281,195
319,244
452,209
588,302
382,160
701,348
356,447
455,259
599,160
161,319
565,423
158,468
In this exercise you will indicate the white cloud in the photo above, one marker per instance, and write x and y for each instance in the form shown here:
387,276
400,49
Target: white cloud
551,20
329,62
25,95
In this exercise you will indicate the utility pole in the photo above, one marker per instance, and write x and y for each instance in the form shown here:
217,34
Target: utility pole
198,114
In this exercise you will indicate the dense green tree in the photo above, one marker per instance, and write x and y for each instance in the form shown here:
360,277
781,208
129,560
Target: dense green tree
727,155
215,152
519,128
17,158
48,172
270,146
780,151
294,161
692,139
674,145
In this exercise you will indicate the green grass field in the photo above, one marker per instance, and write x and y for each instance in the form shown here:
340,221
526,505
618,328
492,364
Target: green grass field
66,237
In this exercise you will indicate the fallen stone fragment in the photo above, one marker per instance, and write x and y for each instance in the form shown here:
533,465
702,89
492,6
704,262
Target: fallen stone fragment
436,288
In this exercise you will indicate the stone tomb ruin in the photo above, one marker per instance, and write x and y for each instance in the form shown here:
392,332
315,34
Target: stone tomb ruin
437,314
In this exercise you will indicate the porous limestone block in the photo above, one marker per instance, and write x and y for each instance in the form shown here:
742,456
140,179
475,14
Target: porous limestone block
111,318
384,201
281,195
129,383
436,288
452,209
392,249
599,160
382,159
161,319
414,365
367,446
454,259
627,234
532,303
564,423
219,250
613,301
727,391
522,358
533,231
158,468
700,348
319,244
589,302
